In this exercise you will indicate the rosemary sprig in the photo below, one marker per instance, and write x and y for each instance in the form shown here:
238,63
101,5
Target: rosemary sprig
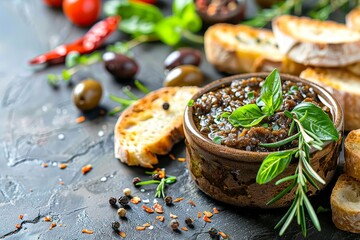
321,10
160,189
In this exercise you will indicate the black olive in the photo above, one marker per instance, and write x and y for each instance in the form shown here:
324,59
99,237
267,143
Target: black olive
87,94
120,66
183,56
185,75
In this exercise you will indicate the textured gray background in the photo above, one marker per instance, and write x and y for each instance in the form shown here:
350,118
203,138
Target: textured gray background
33,115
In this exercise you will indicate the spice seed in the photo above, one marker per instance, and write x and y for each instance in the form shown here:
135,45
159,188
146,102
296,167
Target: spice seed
208,214
47,219
181,159
80,119
44,165
146,225
199,215
158,208
112,201
18,226
206,219
21,216
136,180
86,169
184,229
216,211
52,225
160,218
87,231
115,225
213,233
135,200
192,203
122,234
140,228
223,235
173,216
166,106
178,199
147,209
123,200
63,165
172,156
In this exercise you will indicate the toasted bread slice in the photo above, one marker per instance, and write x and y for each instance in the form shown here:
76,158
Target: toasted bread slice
146,128
352,19
345,86
352,154
316,43
239,48
345,204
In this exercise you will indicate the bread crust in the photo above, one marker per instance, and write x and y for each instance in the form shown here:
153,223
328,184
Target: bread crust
308,49
227,54
352,154
350,101
344,216
352,19
145,129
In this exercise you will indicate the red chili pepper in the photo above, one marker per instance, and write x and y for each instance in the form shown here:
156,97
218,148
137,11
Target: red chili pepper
86,44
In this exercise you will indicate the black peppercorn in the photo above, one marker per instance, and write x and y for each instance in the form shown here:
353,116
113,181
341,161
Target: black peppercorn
168,200
136,180
112,201
156,176
124,200
174,224
115,226
188,221
214,233
166,106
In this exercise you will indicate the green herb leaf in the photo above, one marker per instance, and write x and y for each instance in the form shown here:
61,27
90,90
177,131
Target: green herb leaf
250,95
118,47
317,121
136,18
123,101
186,11
274,164
217,140
225,115
246,116
281,142
66,75
169,30
72,59
52,79
271,93
141,87
191,103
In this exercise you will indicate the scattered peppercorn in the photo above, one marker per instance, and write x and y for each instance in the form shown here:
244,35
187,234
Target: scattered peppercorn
168,200
115,226
121,212
166,106
156,176
189,221
213,233
136,180
174,224
112,201
123,200
127,192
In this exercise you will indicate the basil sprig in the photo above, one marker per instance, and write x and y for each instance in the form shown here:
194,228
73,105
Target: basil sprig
267,104
313,126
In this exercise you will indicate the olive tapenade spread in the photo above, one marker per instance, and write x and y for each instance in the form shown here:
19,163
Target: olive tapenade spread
210,106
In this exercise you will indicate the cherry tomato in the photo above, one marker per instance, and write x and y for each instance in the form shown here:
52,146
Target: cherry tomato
53,3
145,1
82,12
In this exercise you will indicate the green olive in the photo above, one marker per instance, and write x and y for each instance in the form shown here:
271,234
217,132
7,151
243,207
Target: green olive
87,94
185,75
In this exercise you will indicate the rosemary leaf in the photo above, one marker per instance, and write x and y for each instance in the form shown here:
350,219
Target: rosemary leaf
281,142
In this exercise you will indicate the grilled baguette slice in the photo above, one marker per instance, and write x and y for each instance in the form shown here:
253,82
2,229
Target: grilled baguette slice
146,128
345,86
239,48
345,204
316,43
352,19
352,154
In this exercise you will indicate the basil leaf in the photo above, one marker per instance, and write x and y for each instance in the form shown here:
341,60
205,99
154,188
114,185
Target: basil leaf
189,18
169,30
179,6
274,164
316,121
72,59
271,93
225,115
246,116
136,18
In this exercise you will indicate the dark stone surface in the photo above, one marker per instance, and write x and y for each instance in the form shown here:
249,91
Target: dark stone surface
32,117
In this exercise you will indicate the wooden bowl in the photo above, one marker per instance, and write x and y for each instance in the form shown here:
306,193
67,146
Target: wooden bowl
229,175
